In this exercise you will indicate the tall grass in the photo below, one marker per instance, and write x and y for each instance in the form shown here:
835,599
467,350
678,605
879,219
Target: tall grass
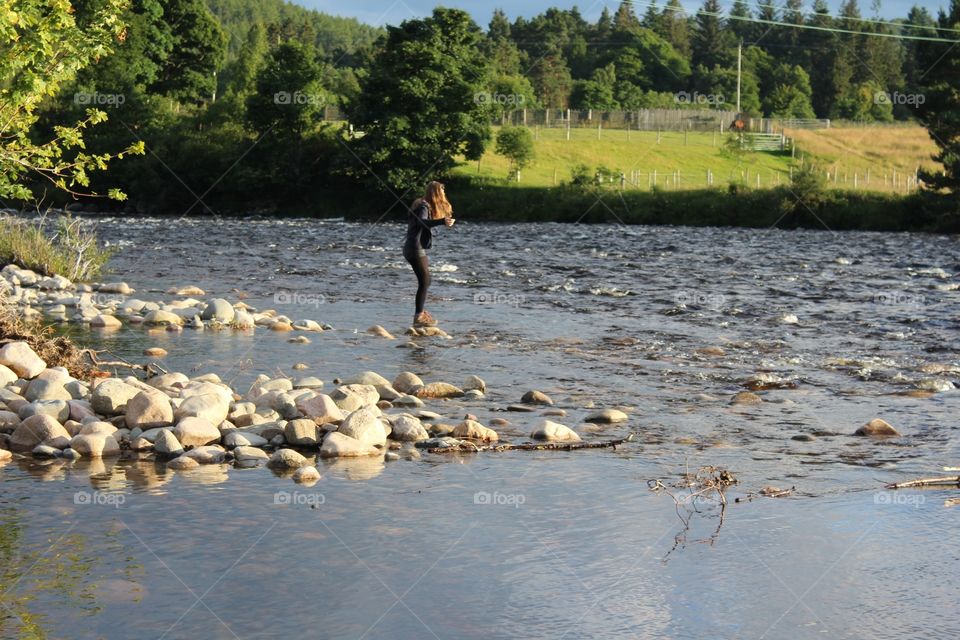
881,150
62,246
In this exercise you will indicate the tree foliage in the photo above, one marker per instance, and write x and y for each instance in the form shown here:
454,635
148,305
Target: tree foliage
42,47
419,107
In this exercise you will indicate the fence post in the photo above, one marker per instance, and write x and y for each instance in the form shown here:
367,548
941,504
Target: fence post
599,129
658,135
654,177
568,124
554,176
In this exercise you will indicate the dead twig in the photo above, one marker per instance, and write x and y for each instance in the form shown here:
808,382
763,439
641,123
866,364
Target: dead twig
150,369
702,485
945,481
470,447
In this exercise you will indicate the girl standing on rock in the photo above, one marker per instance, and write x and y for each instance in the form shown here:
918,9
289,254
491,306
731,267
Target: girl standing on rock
432,210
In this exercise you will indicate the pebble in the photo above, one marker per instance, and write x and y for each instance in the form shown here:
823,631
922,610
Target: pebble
607,416
306,475
536,397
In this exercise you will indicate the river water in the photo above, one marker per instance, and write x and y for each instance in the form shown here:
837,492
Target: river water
830,329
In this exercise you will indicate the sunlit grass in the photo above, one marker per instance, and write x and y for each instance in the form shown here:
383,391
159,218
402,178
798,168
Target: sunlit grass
683,161
60,247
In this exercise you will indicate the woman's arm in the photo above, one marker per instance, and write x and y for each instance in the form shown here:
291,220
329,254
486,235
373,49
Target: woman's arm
422,214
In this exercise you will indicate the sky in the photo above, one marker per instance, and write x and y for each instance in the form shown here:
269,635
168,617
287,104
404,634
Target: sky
382,12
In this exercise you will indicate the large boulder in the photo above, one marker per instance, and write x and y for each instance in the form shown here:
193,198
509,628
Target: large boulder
219,310
439,390
407,382
302,433
36,430
607,416
554,432
7,375
287,458
57,409
321,408
351,397
210,454
48,387
161,317
407,428
340,445
473,430
371,378
365,425
95,445
244,439
196,432
22,359
110,397
211,407
250,454
167,444
148,410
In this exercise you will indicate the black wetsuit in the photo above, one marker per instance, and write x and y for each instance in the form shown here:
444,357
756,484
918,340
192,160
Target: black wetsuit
419,239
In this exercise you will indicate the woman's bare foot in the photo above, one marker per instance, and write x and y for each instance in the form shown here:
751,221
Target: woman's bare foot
424,319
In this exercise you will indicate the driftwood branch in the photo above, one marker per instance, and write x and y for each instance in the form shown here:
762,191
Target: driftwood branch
945,481
150,369
469,447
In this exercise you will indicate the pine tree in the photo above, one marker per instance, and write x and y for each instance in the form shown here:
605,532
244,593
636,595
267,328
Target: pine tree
674,27
744,30
940,111
713,44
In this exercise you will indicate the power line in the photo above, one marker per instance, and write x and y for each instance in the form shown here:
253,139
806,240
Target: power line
778,23
903,25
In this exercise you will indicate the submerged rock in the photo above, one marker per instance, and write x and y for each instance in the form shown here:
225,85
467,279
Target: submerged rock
340,445
607,416
439,390
287,458
554,432
877,428
473,430
536,397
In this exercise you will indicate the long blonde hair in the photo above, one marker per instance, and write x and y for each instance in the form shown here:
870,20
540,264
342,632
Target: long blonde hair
436,198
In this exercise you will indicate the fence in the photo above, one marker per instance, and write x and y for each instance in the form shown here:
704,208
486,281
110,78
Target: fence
635,120
804,123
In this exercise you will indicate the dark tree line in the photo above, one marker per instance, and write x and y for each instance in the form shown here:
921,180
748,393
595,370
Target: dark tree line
230,95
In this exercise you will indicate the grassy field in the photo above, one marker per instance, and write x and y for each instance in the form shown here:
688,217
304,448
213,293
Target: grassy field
678,161
857,150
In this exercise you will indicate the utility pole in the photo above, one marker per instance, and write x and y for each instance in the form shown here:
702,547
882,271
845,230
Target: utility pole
739,57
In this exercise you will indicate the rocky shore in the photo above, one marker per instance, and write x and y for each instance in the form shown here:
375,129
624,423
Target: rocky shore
186,422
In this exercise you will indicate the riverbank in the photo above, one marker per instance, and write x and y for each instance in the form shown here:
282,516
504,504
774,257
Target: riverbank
781,208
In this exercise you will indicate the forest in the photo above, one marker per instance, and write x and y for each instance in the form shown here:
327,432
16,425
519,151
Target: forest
224,103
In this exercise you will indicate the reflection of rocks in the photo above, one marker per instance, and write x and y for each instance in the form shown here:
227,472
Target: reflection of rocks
362,468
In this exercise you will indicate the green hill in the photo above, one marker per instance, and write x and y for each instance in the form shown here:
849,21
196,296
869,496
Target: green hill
332,35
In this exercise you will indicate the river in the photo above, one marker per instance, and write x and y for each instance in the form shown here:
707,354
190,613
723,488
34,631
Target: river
831,330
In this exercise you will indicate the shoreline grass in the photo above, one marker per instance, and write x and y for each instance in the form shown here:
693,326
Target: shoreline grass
60,246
